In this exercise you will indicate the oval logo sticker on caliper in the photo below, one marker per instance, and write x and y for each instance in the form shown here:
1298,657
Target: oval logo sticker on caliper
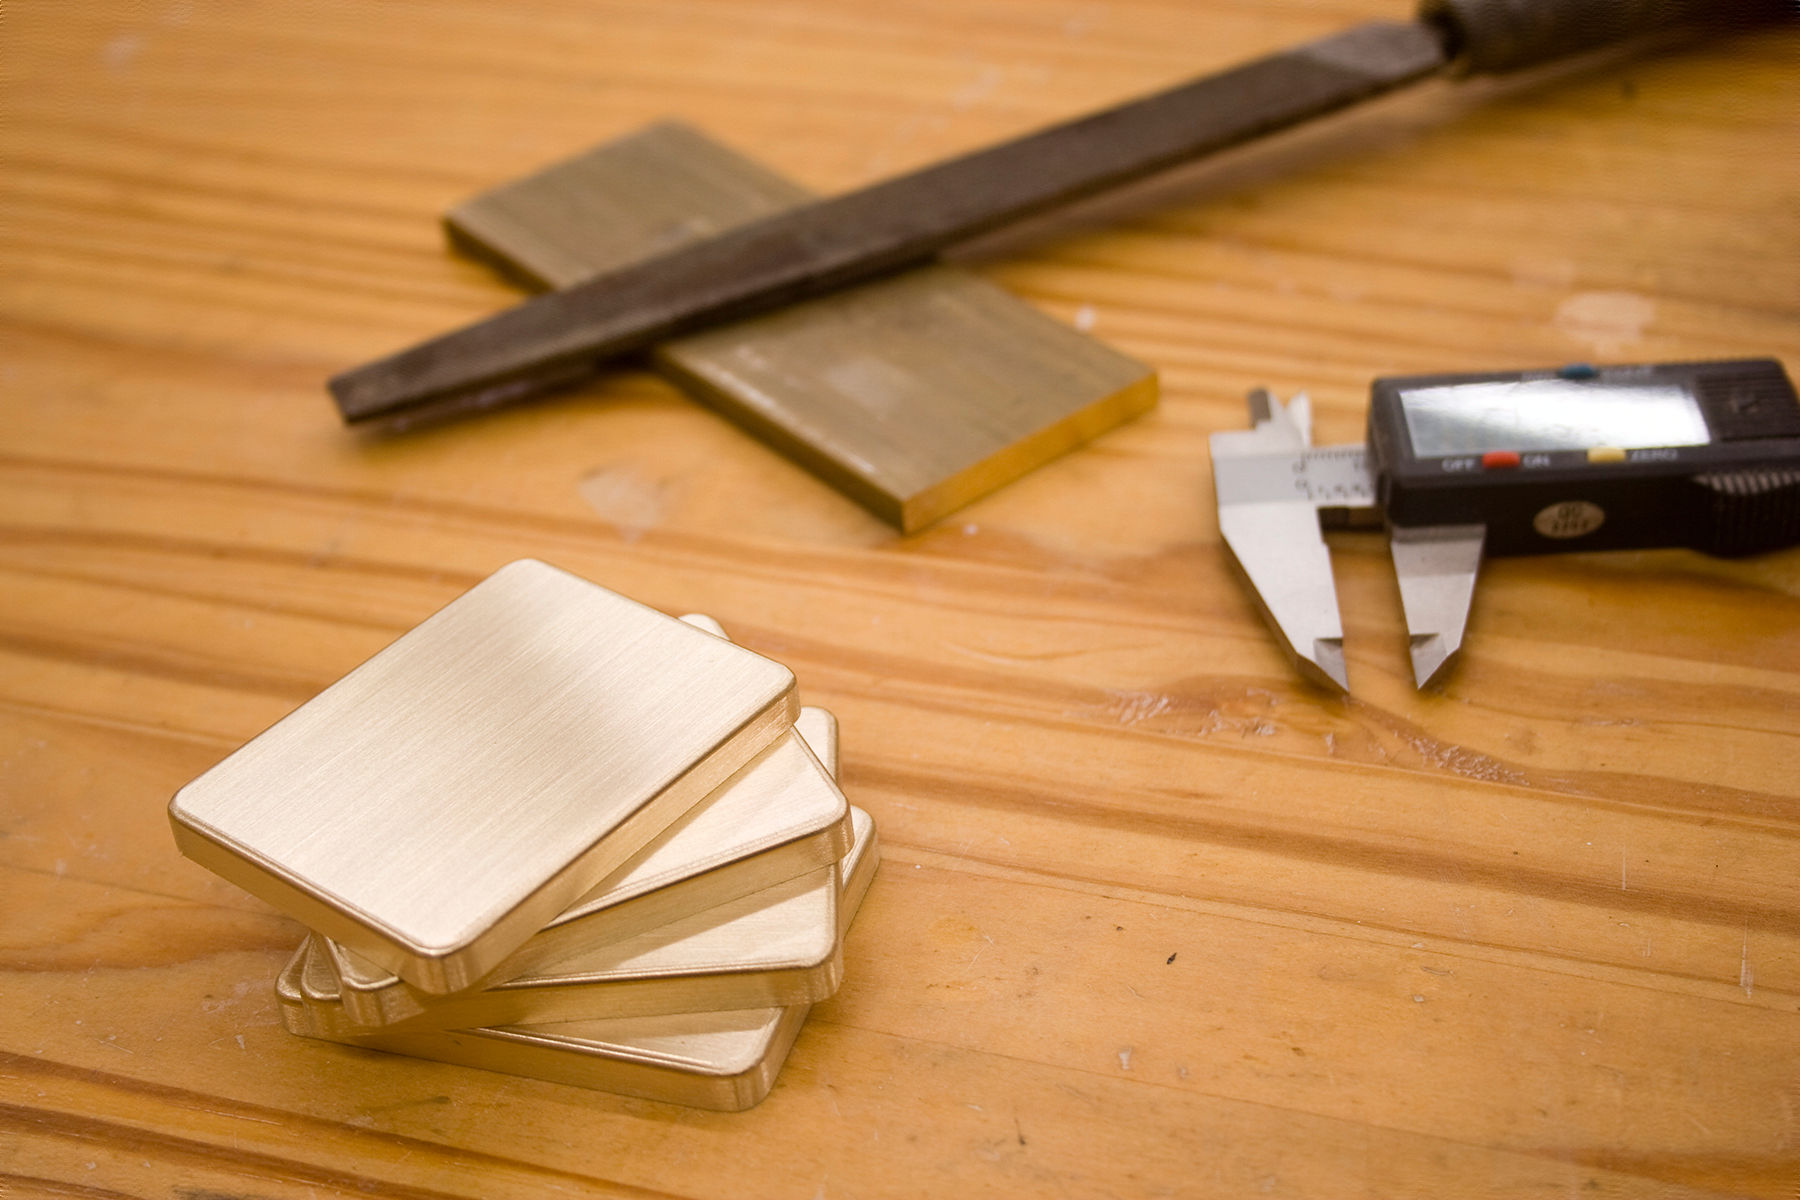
1569,519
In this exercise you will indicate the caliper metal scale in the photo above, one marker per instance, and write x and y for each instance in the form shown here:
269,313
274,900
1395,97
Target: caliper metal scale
1700,455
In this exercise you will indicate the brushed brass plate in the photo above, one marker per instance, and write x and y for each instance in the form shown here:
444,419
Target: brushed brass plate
913,395
702,621
639,195
818,728
718,1060
319,994
774,947
733,958
777,947
507,754
725,1061
779,817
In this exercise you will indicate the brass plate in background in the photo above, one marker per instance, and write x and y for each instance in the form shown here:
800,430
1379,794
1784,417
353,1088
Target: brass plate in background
637,196
719,1060
913,395
437,805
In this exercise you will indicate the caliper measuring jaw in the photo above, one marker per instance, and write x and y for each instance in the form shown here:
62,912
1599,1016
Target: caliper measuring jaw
1278,494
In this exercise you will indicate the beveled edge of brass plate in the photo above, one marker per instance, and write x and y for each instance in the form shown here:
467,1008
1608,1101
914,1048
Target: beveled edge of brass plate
818,727
541,1052
759,980
833,837
854,875
570,995
858,869
322,1012
702,621
728,1086
374,995
382,1000
1027,454
822,885
583,1034
766,868
296,1016
458,970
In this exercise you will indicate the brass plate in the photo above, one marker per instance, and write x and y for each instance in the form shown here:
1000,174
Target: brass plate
777,818
913,395
509,753
719,1060
702,621
640,195
725,1061
774,947
314,983
780,946
818,728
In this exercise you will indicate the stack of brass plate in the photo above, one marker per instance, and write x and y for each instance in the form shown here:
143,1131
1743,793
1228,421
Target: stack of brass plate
554,833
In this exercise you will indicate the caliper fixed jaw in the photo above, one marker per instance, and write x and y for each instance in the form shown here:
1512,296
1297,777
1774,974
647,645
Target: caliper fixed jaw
1269,506
1279,549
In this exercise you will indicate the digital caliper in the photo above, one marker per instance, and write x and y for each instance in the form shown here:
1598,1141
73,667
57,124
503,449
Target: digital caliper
1704,455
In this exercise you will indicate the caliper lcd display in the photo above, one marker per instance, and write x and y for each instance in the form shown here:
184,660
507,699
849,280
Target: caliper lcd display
1700,454
1550,414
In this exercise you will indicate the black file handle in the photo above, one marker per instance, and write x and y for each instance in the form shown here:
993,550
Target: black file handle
1488,36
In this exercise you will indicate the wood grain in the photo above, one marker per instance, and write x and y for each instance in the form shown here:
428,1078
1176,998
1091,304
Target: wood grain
1154,918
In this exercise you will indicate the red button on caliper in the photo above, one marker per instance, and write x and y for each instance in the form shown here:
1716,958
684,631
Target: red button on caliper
1495,460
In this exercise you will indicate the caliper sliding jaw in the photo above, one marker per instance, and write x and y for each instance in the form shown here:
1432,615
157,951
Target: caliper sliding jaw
1278,493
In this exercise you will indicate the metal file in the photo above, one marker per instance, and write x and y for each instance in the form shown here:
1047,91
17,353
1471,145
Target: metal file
560,338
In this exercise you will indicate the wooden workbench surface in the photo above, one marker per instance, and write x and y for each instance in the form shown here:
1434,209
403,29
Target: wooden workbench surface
1154,918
